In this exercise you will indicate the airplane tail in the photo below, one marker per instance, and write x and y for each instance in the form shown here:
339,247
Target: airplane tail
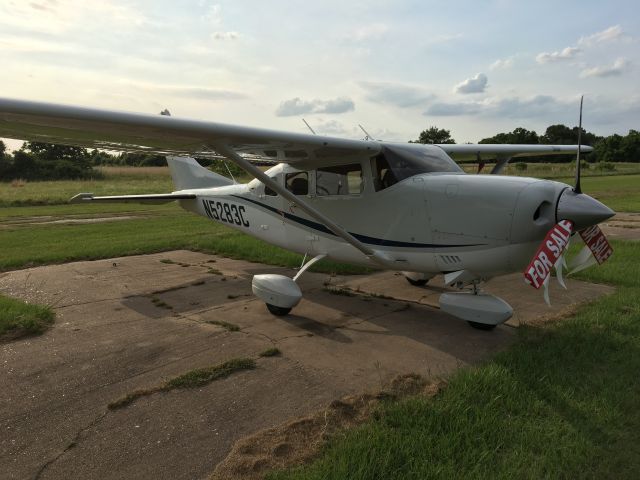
187,173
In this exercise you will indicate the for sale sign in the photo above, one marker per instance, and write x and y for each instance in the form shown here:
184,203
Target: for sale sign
550,250
597,243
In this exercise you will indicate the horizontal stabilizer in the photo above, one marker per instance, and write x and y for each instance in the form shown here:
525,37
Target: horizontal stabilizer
153,198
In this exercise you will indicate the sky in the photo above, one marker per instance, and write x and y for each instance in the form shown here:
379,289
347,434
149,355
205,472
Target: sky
396,67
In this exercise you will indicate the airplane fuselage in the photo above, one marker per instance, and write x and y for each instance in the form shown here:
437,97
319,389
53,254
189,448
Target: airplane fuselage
429,223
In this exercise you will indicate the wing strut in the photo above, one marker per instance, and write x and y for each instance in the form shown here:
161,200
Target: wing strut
501,162
375,255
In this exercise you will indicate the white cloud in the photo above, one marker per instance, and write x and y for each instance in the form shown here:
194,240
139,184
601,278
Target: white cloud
477,84
397,94
58,16
444,109
297,106
568,53
213,15
618,68
225,35
612,33
183,91
512,107
367,32
502,64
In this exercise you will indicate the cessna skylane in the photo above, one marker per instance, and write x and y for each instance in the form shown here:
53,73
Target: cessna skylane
394,206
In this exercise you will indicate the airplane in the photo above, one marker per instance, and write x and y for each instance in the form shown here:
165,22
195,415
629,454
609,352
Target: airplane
395,206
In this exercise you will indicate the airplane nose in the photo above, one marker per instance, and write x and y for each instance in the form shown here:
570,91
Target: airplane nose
583,210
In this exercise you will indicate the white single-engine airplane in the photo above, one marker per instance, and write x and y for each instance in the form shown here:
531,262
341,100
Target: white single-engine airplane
396,206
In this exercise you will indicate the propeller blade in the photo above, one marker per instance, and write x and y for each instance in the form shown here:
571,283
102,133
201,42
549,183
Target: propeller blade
577,188
597,249
545,286
548,254
584,260
560,264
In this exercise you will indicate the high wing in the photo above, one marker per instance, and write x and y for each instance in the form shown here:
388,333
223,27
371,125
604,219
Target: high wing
492,151
123,131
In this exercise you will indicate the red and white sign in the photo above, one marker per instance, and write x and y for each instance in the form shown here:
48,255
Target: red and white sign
551,249
597,243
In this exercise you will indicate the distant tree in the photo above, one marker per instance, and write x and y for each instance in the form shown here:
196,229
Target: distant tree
135,159
631,146
5,161
563,135
520,136
435,135
610,149
99,157
42,161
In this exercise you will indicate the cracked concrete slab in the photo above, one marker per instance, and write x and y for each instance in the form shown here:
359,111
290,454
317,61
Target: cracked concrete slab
132,323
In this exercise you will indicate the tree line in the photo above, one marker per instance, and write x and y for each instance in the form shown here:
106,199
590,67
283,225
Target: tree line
613,148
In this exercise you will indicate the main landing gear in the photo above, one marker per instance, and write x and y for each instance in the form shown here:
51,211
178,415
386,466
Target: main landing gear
480,310
280,293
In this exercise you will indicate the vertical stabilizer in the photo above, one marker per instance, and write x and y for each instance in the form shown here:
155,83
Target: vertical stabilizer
187,173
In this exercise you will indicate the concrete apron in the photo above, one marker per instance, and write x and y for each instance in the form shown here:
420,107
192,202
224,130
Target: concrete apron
132,323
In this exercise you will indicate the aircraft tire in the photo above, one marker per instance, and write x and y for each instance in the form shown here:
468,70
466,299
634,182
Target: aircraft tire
417,283
481,326
278,311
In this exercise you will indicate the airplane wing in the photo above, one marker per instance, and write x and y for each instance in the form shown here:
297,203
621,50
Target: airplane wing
165,135
491,151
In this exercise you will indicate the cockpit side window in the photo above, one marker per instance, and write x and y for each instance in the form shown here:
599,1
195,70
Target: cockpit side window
383,176
399,162
298,183
339,180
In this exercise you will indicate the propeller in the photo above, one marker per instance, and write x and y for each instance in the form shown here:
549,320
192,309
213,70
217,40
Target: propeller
579,212
577,188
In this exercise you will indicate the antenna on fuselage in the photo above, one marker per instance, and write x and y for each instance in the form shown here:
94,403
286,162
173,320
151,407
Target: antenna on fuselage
368,137
309,127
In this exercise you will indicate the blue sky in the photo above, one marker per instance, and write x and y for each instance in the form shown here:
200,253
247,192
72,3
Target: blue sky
396,67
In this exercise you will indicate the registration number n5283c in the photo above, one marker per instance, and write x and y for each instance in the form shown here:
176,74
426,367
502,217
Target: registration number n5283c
225,212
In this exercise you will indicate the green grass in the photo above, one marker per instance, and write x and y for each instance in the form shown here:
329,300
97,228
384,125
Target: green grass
192,379
231,327
620,193
34,244
270,352
563,402
115,181
18,318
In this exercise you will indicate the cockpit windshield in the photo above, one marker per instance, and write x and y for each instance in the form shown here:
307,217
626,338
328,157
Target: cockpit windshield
398,162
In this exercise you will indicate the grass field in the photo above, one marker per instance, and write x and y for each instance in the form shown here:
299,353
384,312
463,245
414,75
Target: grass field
558,170
563,402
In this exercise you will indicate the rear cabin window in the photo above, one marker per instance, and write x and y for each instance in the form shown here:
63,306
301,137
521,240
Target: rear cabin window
268,191
340,180
298,183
